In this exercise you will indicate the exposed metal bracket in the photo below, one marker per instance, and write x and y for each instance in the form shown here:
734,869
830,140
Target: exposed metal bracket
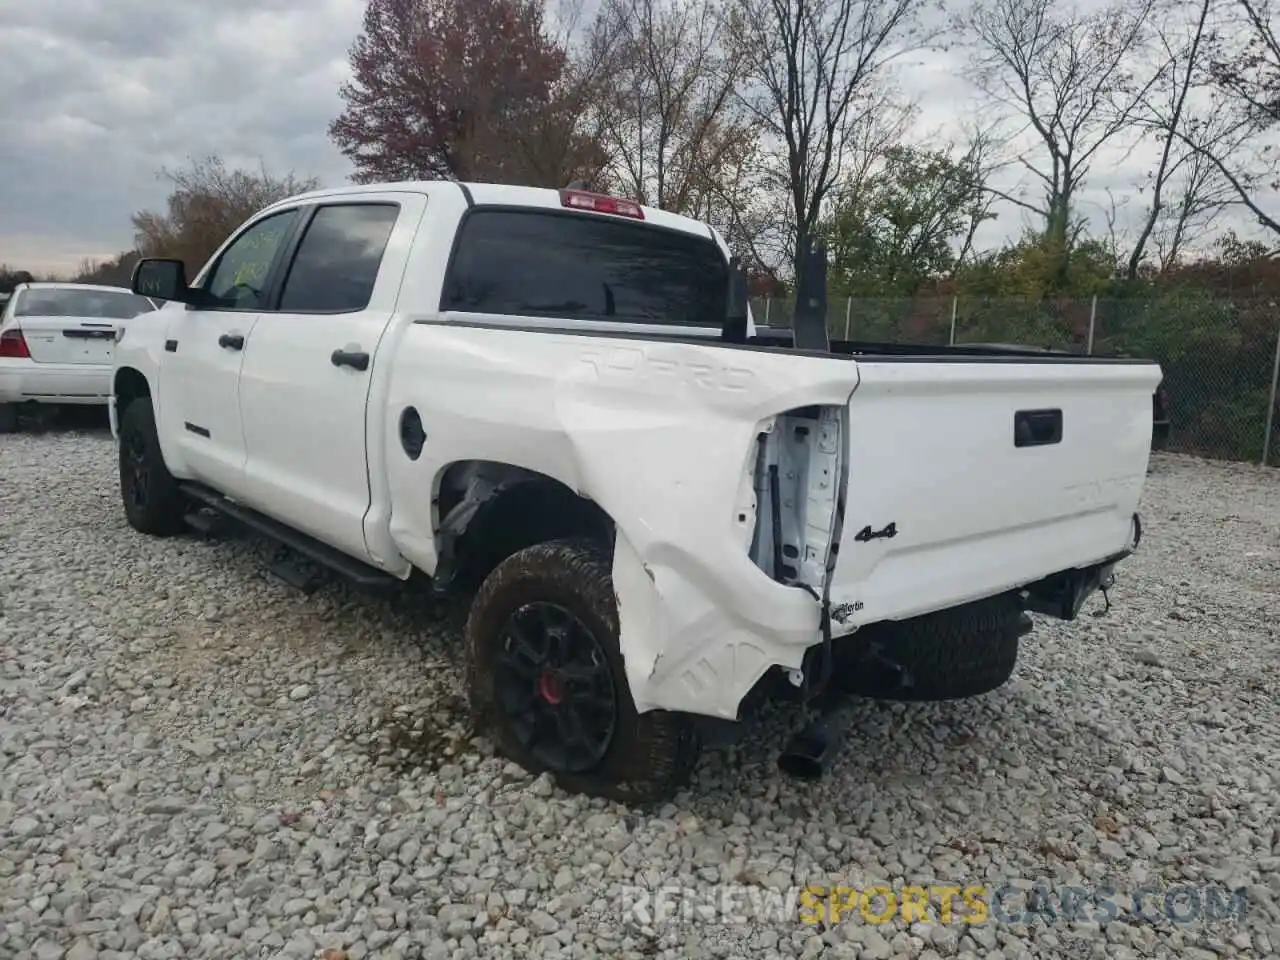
810,328
735,321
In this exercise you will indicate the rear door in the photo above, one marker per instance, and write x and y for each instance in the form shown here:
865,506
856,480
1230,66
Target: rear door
75,325
969,477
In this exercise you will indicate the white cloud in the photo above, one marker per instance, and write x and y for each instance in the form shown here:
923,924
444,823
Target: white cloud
96,97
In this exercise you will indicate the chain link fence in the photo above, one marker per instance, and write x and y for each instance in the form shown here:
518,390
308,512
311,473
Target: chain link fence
1220,355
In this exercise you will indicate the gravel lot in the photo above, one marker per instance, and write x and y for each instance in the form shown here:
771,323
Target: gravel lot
198,762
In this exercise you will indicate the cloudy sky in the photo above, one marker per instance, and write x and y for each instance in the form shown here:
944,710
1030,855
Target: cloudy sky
97,95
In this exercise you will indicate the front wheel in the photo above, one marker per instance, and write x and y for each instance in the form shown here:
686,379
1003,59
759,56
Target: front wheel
153,502
8,418
546,679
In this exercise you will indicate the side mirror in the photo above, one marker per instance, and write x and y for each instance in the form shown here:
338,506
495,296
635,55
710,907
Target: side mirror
161,279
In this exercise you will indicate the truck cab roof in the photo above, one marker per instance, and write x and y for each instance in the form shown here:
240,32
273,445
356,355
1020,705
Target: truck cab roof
504,195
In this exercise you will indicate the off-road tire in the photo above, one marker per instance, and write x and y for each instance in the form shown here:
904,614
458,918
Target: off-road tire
651,755
162,507
8,418
949,655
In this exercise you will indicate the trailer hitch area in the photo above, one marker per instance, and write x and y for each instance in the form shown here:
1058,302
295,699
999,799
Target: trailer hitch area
1062,594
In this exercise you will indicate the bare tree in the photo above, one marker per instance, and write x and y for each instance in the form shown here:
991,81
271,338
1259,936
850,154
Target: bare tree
1202,196
1169,111
810,73
1247,59
981,148
1070,76
883,119
115,271
1243,76
672,123
1115,239
207,202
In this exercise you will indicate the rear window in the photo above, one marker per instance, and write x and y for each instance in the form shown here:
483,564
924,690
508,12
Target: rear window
64,302
549,264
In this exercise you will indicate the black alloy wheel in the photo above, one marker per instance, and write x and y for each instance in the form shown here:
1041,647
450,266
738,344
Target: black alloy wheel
554,684
153,502
546,679
135,470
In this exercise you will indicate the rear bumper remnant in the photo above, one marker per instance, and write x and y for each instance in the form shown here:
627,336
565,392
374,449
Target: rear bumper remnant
1062,594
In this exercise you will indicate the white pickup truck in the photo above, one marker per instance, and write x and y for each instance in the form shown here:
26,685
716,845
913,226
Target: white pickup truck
558,400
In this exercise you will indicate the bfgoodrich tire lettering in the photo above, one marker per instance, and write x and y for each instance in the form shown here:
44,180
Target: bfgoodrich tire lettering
153,503
648,756
948,655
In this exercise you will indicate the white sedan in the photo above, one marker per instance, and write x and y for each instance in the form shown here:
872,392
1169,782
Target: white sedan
56,344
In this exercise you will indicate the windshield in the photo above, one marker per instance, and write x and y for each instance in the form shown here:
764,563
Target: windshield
69,302
538,263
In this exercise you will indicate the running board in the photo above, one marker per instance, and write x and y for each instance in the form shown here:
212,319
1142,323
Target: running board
208,522
326,556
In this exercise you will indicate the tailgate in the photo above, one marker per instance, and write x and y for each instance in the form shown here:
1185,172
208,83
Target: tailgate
69,339
968,478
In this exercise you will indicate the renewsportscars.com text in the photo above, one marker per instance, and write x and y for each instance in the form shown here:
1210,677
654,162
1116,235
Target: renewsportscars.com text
820,905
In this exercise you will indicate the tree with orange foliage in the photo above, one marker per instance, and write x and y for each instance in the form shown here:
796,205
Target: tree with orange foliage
464,89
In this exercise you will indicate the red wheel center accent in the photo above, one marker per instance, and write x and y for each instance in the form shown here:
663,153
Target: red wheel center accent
550,687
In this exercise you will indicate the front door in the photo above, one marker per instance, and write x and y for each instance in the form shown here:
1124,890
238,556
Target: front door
205,346
305,384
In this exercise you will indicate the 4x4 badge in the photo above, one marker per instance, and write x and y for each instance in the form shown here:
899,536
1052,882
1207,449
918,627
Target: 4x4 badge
866,533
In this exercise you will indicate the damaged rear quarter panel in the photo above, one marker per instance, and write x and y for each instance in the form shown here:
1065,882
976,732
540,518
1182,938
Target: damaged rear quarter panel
660,436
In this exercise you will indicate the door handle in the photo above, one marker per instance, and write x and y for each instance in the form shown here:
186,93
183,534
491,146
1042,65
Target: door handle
356,359
1037,428
232,341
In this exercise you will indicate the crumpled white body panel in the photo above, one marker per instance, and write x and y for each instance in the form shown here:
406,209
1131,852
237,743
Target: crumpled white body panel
660,435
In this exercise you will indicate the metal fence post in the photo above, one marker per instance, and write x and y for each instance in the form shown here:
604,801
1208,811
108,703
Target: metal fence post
954,301
1271,402
848,313
768,302
1093,316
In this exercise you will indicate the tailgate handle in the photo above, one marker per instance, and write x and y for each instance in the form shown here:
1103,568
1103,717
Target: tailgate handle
1037,428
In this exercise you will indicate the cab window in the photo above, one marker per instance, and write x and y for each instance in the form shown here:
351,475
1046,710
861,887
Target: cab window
239,280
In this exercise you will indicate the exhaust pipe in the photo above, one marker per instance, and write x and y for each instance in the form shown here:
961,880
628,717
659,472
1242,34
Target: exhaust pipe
811,751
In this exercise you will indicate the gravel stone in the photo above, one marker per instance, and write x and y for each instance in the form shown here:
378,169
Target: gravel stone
163,794
24,826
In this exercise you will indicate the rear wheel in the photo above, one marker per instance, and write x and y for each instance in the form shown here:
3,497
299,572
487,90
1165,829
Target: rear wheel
153,502
8,418
949,655
547,683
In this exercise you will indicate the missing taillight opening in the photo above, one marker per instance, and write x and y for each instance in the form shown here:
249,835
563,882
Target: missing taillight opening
583,200
13,345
